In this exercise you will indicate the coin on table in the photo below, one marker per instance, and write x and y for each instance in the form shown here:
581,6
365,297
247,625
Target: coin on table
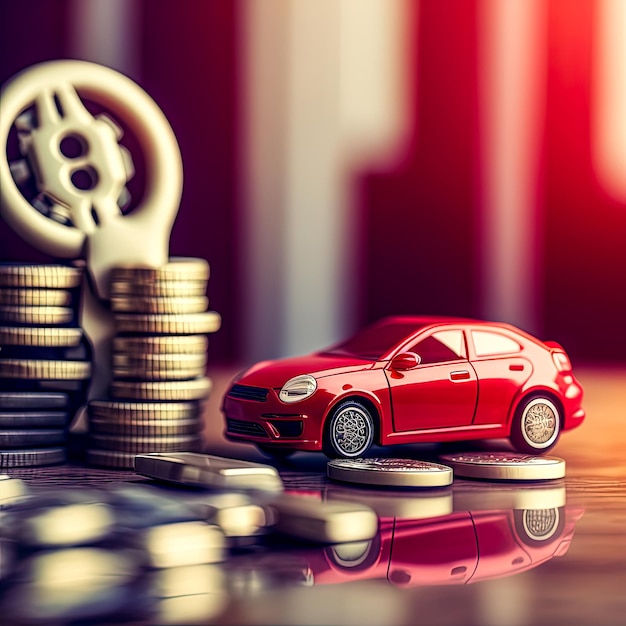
35,297
11,490
205,470
178,268
45,369
160,344
505,465
390,472
32,400
32,457
194,389
142,444
165,362
36,315
180,304
34,276
121,412
179,324
310,519
159,288
33,419
44,337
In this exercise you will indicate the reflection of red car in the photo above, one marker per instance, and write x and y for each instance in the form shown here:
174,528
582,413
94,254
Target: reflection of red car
408,380
463,547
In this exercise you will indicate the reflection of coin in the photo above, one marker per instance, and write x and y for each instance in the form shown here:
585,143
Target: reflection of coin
140,444
32,400
181,324
178,268
159,288
134,304
194,389
505,465
47,276
390,472
31,458
161,344
45,369
53,337
36,315
130,412
35,297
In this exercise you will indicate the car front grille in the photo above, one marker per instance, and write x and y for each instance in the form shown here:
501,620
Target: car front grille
246,392
240,427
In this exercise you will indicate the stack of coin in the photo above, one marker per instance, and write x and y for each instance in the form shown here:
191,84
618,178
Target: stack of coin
159,358
44,362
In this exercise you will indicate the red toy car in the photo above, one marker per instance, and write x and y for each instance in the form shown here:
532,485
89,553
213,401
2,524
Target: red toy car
408,380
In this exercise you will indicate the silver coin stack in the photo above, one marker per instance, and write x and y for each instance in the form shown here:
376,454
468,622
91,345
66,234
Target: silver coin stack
45,362
159,359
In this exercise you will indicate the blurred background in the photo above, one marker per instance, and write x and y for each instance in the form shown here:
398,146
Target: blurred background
349,159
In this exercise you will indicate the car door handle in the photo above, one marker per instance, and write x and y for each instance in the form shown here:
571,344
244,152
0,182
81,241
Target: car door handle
516,368
459,375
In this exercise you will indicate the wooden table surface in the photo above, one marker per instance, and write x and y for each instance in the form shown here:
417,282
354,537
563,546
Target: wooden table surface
585,583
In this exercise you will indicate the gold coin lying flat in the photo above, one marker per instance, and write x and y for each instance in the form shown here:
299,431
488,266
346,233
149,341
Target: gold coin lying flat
45,369
35,297
182,324
505,465
47,276
195,389
36,315
147,373
390,472
159,288
51,337
134,304
161,344
138,444
163,362
178,268
130,412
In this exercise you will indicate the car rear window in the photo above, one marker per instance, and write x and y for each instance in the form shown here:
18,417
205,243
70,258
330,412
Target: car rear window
487,343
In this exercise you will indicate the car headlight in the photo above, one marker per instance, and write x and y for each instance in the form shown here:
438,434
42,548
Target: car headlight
298,388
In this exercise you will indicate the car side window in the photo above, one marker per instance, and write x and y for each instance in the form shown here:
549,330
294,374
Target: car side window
442,346
487,343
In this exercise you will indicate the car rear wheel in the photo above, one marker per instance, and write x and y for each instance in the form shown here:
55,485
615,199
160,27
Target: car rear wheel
350,431
537,425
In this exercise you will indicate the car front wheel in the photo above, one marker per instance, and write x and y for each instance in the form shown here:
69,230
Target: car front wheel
537,425
350,431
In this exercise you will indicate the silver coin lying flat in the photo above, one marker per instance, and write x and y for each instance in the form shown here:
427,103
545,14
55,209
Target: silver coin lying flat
390,472
505,465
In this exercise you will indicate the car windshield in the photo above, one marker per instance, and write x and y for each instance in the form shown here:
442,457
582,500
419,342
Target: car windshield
376,340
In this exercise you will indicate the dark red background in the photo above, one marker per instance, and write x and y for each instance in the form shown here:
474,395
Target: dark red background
419,242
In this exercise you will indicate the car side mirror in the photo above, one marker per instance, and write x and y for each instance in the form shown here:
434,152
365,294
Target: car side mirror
405,361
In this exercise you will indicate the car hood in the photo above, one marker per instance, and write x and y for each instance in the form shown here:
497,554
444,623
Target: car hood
277,373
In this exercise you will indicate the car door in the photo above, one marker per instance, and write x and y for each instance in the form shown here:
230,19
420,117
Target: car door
441,391
502,369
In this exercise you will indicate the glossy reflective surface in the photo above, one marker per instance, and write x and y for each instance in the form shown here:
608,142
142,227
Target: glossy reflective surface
477,552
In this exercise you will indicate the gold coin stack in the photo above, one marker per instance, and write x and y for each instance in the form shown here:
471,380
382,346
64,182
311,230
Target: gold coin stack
159,359
45,363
